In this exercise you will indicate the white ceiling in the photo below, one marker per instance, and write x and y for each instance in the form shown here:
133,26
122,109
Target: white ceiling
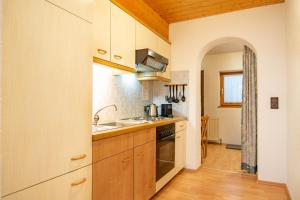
227,48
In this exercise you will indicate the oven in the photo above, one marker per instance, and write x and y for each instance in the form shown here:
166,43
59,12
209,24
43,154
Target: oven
165,149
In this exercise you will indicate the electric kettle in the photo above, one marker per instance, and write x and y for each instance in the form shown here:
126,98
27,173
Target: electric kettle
151,110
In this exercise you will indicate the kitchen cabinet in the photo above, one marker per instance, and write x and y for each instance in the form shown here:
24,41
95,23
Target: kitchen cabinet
126,162
164,49
122,37
101,29
113,177
47,80
76,185
145,38
144,171
79,8
180,145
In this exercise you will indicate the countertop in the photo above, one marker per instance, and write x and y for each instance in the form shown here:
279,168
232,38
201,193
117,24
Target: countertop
133,128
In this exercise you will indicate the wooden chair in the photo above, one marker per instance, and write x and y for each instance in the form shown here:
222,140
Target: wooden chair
204,140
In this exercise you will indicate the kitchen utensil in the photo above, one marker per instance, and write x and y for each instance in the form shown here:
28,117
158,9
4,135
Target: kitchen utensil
176,99
173,98
183,97
170,99
151,110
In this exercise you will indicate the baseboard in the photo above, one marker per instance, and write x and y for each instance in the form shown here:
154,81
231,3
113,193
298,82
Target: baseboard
282,185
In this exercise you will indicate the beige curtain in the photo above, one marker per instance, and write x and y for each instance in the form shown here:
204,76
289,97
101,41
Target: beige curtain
249,112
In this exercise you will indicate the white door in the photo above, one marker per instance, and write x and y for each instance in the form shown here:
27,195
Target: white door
180,145
122,37
80,8
145,38
101,29
47,97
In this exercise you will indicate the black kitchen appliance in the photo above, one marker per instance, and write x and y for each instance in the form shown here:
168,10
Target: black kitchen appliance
166,110
165,149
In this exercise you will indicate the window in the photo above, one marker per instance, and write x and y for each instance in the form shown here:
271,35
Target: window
231,87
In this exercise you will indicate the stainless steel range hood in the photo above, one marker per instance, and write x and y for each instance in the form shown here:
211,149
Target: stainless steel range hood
147,60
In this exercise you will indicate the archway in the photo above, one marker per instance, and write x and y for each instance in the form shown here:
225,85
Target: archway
194,150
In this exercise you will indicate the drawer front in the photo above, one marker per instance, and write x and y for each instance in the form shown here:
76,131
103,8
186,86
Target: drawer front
76,185
144,136
179,126
111,146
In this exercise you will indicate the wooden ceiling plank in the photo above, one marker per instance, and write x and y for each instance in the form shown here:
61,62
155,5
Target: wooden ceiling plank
179,10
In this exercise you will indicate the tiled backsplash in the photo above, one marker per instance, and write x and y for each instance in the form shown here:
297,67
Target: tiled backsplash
160,92
131,95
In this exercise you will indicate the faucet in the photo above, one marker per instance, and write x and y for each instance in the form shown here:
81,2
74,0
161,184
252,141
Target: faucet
96,116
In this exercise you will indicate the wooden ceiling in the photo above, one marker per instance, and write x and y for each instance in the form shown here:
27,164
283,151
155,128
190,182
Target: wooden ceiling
180,10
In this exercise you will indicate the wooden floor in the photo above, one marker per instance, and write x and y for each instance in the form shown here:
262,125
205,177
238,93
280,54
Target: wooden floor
219,178
218,157
213,184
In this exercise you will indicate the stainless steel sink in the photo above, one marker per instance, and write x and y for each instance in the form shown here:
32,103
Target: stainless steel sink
118,124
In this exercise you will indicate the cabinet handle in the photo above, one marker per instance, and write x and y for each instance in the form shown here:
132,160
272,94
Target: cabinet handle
178,137
80,157
78,182
181,126
117,57
101,51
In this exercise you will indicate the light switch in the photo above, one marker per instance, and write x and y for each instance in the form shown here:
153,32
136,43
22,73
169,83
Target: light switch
274,103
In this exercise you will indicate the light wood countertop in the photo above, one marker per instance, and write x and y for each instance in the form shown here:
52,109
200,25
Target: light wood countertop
133,128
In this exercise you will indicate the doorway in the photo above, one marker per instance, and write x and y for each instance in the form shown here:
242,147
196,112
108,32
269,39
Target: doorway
221,101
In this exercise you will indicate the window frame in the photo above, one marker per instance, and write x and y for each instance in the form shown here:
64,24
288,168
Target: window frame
226,104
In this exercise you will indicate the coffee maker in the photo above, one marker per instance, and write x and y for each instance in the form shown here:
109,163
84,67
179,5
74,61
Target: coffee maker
166,110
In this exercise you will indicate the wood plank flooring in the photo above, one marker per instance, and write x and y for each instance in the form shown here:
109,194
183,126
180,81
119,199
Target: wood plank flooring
218,157
219,178
213,184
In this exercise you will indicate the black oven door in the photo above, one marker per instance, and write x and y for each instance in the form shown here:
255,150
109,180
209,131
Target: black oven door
165,155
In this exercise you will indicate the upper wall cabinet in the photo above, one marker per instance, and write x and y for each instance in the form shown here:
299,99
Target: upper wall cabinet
80,8
145,38
122,37
101,29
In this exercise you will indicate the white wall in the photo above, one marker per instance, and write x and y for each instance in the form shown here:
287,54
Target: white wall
264,29
293,36
229,118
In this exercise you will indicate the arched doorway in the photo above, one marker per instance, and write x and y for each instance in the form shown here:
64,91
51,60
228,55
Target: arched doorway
194,150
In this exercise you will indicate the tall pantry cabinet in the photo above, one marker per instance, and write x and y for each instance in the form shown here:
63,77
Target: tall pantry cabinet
46,139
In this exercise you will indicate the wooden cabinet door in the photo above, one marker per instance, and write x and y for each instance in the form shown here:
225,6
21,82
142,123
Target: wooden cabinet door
46,93
76,185
145,38
180,145
101,29
144,171
80,8
122,37
113,177
164,49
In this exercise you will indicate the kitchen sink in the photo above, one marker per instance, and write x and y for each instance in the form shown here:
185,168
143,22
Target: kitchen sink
118,124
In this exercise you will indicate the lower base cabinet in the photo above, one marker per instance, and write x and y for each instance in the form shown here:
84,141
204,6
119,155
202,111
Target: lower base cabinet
112,177
76,185
124,166
144,171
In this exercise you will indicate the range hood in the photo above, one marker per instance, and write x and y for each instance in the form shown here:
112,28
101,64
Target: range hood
147,60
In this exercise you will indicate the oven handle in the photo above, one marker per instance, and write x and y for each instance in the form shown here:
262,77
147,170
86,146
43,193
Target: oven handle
170,137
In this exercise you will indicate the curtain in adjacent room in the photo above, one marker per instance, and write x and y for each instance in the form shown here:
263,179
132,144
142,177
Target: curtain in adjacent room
249,112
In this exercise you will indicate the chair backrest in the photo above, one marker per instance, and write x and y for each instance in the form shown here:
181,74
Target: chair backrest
204,125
